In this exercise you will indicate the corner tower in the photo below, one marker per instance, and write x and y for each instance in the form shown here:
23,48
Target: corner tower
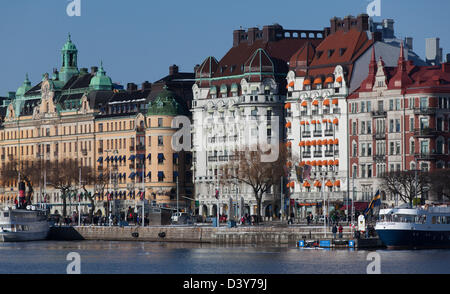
69,61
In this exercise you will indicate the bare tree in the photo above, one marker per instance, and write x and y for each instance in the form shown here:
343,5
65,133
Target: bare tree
64,176
439,182
404,184
249,168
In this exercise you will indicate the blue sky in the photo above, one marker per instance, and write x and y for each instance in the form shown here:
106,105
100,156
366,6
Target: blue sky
138,39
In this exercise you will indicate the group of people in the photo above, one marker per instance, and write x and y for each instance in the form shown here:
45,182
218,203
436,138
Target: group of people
335,230
248,219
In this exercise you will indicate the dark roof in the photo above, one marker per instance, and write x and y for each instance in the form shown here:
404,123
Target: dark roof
34,91
78,81
178,77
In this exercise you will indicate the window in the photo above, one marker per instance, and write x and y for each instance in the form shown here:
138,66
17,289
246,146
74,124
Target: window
160,141
397,148
411,124
397,104
363,106
391,126
397,125
354,128
392,148
369,106
369,149
363,127
355,149
369,170
369,127
160,122
363,149
412,147
391,104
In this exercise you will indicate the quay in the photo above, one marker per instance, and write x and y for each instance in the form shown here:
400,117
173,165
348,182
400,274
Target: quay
268,235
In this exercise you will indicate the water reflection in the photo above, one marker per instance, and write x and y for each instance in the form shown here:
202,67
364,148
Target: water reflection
101,257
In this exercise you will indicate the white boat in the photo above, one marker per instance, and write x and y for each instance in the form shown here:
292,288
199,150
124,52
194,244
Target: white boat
424,227
28,224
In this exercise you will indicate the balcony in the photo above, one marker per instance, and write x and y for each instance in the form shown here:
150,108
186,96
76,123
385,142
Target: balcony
223,158
336,152
212,158
425,110
379,113
329,153
306,154
306,134
425,132
131,148
379,158
326,110
379,136
318,196
318,153
315,112
304,113
140,130
84,152
140,147
427,155
317,133
3,156
336,111
329,133
100,150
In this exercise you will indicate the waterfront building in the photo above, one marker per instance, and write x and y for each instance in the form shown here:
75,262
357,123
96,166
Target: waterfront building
320,79
399,120
119,133
246,87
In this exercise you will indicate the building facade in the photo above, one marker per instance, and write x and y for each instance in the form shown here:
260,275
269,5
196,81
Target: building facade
398,121
124,135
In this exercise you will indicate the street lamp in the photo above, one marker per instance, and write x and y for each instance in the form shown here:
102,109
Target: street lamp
110,184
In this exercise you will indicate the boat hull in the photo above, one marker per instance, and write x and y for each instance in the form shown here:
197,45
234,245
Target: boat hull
402,239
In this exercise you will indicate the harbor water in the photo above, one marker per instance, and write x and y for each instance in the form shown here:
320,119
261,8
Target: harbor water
107,257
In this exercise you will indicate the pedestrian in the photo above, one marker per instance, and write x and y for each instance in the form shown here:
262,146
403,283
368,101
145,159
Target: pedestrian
308,219
341,229
334,230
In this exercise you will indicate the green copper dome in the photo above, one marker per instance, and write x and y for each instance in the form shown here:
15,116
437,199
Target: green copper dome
101,81
26,86
165,104
69,46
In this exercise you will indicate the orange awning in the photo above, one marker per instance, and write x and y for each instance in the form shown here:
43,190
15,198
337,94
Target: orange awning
319,163
302,163
313,122
329,80
326,102
319,142
315,103
314,163
329,184
306,184
307,82
330,142
330,162
289,164
318,81
336,162
337,183
292,184
313,143
336,142
289,144
324,120
301,144
288,124
339,79
302,123
317,184
335,121
308,143
291,84
304,103
288,105
308,162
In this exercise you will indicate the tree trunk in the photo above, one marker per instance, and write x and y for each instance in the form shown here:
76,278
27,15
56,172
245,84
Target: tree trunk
258,203
64,204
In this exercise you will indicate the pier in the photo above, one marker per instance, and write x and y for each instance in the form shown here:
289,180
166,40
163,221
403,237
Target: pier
268,235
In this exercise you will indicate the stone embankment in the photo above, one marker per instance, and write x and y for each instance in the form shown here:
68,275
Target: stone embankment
242,235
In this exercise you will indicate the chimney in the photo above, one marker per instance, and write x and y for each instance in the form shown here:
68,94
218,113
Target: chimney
388,28
252,35
270,32
347,23
446,67
334,24
409,43
448,57
432,51
131,87
362,22
237,35
173,69
196,67
377,36
146,85
94,70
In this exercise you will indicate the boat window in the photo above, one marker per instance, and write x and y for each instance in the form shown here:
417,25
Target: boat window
6,214
438,220
421,219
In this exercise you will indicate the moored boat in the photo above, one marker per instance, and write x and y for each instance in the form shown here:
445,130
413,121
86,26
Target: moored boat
29,224
424,227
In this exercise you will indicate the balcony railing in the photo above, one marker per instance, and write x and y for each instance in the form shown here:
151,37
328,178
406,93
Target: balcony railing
425,110
223,158
380,158
100,150
318,196
329,153
140,147
317,133
379,113
131,148
306,154
306,134
379,136
212,158
336,152
326,111
84,152
318,153
304,113
336,111
427,155
329,133
425,132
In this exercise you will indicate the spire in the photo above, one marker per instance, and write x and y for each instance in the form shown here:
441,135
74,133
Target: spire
373,62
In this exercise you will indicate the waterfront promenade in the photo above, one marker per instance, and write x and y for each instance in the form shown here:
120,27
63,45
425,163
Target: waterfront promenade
267,234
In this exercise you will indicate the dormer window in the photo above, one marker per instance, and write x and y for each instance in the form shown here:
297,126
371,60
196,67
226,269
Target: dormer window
342,51
319,54
330,52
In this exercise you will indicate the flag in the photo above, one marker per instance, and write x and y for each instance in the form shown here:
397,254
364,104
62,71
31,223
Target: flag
376,201
307,172
217,194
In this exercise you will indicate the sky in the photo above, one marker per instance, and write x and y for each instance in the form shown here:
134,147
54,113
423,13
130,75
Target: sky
138,40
